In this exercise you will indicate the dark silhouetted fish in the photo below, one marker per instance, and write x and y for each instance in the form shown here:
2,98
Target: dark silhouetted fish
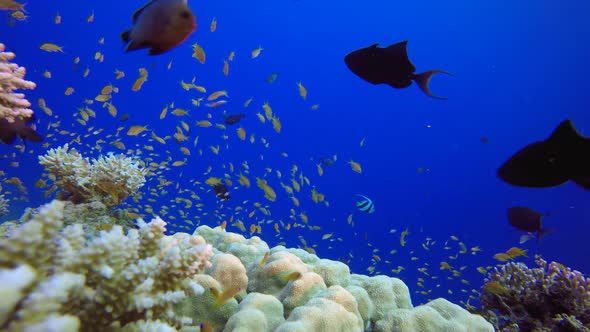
221,191
389,65
233,118
160,25
527,220
10,130
562,157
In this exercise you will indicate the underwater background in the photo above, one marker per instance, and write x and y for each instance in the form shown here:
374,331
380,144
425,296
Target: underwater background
429,165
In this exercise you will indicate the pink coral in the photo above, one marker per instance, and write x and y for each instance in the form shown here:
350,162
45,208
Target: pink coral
13,105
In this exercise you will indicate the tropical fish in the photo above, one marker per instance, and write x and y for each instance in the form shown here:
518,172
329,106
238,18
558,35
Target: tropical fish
221,191
160,25
366,204
11,5
327,161
563,157
233,118
221,298
389,66
10,130
527,220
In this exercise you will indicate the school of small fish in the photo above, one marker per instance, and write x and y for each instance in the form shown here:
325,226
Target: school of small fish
198,134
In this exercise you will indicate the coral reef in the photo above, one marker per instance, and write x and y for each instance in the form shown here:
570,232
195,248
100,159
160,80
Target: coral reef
53,278
13,105
109,179
550,297
281,289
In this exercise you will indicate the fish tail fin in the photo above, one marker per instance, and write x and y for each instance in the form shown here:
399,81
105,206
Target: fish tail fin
423,79
126,36
542,232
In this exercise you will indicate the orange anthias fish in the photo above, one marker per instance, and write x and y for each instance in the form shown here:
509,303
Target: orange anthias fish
160,25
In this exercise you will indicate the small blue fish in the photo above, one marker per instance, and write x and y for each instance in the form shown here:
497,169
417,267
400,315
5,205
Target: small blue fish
366,205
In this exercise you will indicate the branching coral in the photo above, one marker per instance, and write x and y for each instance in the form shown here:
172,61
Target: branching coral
551,297
13,105
51,276
109,179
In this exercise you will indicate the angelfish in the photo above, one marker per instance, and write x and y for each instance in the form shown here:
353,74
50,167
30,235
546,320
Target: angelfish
160,25
389,65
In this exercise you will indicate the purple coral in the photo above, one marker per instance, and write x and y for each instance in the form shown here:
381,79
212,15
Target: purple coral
551,297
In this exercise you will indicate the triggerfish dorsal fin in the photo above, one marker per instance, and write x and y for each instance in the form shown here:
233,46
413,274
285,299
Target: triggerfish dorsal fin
398,52
423,80
566,135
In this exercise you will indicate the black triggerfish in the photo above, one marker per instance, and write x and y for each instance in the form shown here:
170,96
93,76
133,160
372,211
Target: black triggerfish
389,65
527,220
563,157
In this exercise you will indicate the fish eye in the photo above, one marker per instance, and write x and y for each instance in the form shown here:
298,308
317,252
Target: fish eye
185,14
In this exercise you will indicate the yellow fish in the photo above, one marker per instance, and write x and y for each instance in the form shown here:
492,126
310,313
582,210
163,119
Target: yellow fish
302,90
225,68
136,130
50,47
355,166
217,94
199,53
213,24
255,53
11,5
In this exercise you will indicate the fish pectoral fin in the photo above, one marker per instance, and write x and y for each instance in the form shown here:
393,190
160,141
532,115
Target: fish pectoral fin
423,79
125,36
156,50
133,45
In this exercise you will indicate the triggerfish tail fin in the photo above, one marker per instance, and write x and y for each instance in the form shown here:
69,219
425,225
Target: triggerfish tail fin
423,79
542,232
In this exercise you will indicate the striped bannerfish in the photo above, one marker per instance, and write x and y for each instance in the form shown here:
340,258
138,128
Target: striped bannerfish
365,205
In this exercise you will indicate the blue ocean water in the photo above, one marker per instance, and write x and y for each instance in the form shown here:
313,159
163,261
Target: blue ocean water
519,68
